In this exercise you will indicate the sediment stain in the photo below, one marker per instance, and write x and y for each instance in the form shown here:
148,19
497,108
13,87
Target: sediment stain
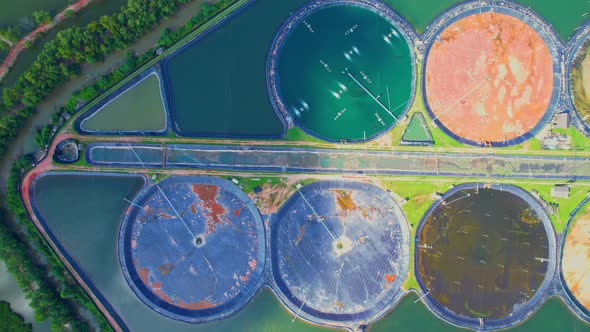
208,195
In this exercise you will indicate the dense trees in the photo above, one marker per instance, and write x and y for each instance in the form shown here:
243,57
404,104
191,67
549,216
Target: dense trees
59,61
12,34
169,37
42,17
61,58
11,321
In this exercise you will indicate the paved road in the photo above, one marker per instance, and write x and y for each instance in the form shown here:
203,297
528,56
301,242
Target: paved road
301,160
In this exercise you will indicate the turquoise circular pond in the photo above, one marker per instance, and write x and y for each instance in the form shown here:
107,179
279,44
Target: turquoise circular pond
343,71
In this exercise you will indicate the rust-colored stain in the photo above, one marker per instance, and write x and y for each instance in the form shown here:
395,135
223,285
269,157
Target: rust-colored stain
208,194
237,212
489,77
390,278
246,277
338,304
252,263
300,235
164,215
576,255
165,268
344,200
195,305
143,274
162,295
193,208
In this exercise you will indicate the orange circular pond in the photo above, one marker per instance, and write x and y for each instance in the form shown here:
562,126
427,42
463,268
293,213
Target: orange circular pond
489,78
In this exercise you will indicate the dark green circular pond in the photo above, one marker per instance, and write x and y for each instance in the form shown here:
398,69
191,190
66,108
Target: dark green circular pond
345,72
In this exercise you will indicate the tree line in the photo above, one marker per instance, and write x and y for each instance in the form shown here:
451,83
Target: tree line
132,62
11,321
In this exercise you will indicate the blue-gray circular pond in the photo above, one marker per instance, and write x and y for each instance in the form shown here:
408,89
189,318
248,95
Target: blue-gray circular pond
193,248
340,252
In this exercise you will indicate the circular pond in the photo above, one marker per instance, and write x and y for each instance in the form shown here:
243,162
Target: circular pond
484,252
342,70
576,254
339,252
489,77
192,248
580,80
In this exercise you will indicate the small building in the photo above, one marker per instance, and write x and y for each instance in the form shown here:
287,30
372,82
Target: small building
560,191
561,120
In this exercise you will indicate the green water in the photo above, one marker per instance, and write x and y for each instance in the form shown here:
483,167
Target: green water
417,130
92,12
420,13
345,73
218,85
18,12
139,108
565,16
409,316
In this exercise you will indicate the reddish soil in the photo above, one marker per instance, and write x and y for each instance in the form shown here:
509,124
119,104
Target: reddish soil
20,45
489,78
390,278
208,194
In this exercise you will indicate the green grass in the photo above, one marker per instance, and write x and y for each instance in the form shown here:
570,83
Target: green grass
249,183
579,141
298,135
419,194
565,205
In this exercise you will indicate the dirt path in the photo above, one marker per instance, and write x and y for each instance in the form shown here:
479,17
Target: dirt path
17,48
